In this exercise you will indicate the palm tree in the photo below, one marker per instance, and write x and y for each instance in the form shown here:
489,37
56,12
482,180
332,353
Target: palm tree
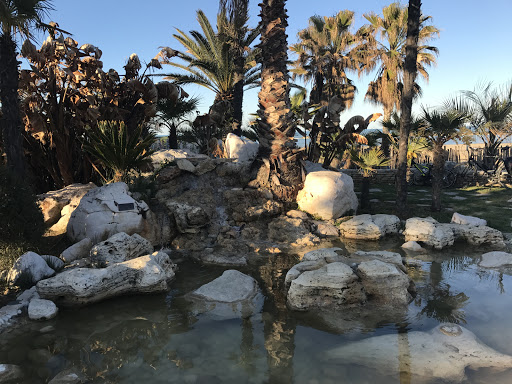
389,54
410,71
282,171
212,61
17,17
440,126
172,113
325,53
491,117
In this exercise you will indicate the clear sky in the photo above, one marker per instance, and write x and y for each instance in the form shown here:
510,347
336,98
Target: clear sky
474,43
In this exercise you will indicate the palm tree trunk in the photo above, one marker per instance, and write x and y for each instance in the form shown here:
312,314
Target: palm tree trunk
385,141
11,124
173,137
437,176
238,95
410,71
283,173
365,192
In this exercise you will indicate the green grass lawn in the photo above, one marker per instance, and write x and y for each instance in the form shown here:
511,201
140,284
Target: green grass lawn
487,203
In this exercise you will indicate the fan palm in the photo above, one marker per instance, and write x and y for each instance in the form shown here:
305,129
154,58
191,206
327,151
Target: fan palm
417,144
172,113
118,151
17,17
491,117
209,59
325,53
389,55
438,127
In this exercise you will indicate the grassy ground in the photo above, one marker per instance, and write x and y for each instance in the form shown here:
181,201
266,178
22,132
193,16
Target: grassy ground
487,203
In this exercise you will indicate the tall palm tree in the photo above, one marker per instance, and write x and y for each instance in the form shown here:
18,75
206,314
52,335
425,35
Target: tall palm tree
410,71
325,52
282,171
210,59
17,17
389,52
440,126
491,117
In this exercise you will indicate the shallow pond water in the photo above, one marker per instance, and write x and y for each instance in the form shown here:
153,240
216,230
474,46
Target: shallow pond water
156,339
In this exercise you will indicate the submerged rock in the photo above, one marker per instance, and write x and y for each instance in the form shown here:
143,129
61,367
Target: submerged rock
145,274
327,194
443,353
370,227
233,294
496,259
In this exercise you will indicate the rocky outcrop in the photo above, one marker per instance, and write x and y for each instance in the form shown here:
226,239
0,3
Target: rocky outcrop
40,309
243,150
108,210
496,259
292,232
443,353
118,248
233,294
145,274
28,269
189,219
457,218
369,227
327,194
478,235
328,279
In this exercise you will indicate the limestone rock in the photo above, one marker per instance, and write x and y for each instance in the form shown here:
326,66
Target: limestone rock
293,232
29,266
496,259
189,219
9,312
77,251
443,353
186,165
369,227
327,194
412,246
243,150
428,231
10,374
233,294
118,248
40,309
296,214
145,274
478,235
323,229
457,218
26,296
224,260
108,210
68,376
53,262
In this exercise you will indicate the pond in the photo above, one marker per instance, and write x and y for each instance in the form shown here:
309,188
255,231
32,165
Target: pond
157,339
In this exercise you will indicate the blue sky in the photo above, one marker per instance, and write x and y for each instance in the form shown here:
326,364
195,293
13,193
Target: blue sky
474,43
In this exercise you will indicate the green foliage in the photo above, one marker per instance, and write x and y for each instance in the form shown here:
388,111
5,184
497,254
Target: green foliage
118,151
368,160
21,218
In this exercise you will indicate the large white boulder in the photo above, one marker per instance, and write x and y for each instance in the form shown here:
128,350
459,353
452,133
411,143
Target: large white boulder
429,231
327,194
118,248
457,218
233,294
29,266
443,353
145,274
40,309
241,149
478,235
370,227
108,210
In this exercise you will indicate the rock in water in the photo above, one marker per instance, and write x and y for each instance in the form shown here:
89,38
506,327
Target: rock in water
429,231
145,274
40,309
496,259
370,227
231,295
118,248
457,218
443,353
327,194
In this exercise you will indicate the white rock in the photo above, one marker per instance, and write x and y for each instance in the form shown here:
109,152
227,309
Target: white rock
189,219
457,218
31,266
412,246
429,231
118,248
53,262
185,165
327,255
327,194
145,274
77,251
40,309
26,296
478,235
443,353
9,312
241,149
10,373
162,156
383,256
496,259
296,214
369,227
108,210
323,229
233,294
68,376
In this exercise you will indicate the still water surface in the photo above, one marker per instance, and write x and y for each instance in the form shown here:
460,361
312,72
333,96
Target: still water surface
157,339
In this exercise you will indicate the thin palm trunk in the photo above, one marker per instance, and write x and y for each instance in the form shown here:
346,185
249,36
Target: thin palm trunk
173,137
413,27
11,121
238,94
365,192
437,176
